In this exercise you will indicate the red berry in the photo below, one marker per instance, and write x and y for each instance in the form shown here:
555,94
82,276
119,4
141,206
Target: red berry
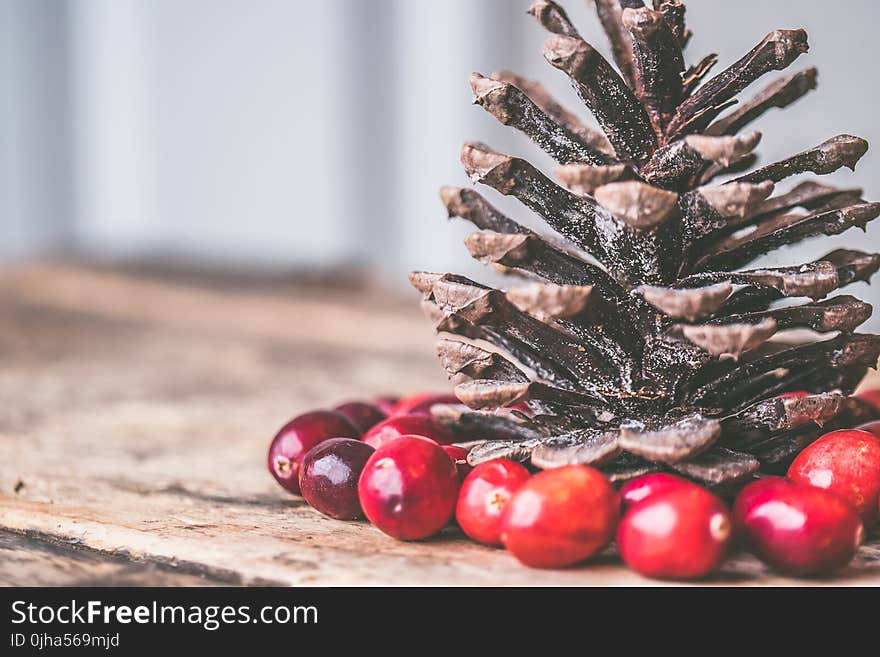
459,457
560,517
407,425
484,496
871,396
846,463
297,437
681,533
641,488
361,415
386,404
744,501
797,529
421,403
408,488
796,393
328,477
870,427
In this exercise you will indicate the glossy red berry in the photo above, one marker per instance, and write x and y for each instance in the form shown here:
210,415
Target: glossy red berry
560,517
297,437
797,529
846,463
459,457
421,403
328,477
362,415
407,425
484,496
680,533
745,500
647,485
408,488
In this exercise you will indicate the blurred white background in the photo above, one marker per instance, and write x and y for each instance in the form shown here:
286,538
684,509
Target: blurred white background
287,134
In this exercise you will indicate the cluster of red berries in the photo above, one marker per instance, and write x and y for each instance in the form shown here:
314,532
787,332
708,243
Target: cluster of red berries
390,461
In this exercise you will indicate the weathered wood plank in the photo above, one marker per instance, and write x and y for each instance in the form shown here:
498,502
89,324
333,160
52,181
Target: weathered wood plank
32,560
135,418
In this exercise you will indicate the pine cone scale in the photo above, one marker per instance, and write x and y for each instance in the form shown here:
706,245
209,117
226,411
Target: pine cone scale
660,349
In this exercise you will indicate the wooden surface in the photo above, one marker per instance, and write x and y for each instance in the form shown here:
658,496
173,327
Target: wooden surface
136,413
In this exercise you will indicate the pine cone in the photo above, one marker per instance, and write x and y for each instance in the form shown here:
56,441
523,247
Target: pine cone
641,340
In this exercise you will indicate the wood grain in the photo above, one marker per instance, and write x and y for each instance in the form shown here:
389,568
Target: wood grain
42,560
136,414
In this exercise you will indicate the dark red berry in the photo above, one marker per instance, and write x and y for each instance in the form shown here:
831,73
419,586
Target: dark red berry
846,463
560,517
680,533
484,496
297,437
407,425
745,500
643,487
459,457
362,415
408,488
328,477
797,529
870,427
386,404
421,403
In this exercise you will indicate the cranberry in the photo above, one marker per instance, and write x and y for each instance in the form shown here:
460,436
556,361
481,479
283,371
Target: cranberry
793,394
297,437
682,533
560,517
871,396
459,457
386,404
870,427
421,403
640,488
361,414
846,463
408,488
797,529
328,477
408,425
745,499
484,495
